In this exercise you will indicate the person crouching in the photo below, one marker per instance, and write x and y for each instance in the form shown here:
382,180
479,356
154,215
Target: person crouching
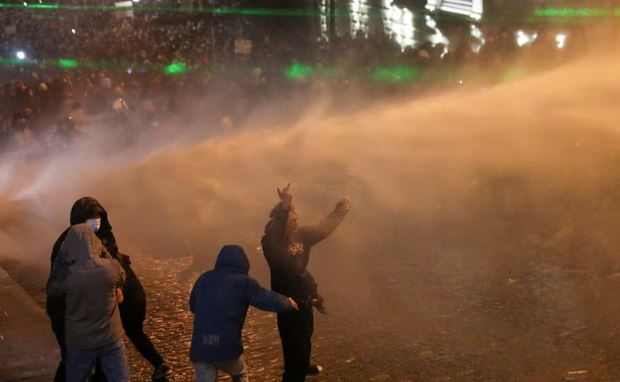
219,300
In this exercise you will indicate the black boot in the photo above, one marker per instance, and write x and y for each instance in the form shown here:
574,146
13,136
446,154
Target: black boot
314,370
161,373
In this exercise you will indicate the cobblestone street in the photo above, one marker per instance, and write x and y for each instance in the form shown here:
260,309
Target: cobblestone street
343,351
405,323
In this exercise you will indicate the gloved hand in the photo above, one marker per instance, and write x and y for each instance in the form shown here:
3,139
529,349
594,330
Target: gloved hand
319,304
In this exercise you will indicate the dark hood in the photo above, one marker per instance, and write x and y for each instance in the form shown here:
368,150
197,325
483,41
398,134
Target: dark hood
88,207
233,257
81,244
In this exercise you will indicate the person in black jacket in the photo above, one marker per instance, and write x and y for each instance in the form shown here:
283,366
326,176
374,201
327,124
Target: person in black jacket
286,247
132,310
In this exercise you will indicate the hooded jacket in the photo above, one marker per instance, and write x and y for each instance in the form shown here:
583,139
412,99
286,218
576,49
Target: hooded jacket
288,253
87,208
220,299
85,276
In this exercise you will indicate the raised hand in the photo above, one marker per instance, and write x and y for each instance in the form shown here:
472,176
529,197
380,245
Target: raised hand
285,195
344,204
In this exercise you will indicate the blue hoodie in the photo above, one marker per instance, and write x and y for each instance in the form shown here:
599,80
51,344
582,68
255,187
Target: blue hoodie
220,300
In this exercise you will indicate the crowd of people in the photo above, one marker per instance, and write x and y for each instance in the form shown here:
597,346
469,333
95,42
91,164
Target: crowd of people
67,73
94,297
119,70
115,69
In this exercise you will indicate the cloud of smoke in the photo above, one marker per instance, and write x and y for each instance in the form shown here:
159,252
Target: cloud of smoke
489,174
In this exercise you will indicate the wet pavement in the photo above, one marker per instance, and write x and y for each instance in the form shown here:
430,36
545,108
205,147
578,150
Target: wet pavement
520,328
26,344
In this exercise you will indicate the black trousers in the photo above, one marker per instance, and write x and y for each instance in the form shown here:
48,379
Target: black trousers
133,313
296,330
58,327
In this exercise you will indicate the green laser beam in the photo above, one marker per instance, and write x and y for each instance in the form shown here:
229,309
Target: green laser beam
394,75
40,6
401,75
573,12
67,63
176,68
160,9
550,14
298,70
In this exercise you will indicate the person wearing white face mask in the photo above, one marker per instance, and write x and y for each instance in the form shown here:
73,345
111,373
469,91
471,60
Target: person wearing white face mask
95,223
132,310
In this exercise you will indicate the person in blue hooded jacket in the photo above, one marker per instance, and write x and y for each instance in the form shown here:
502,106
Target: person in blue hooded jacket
219,300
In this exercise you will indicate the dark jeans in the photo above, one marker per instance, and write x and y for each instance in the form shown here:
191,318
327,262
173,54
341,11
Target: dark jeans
58,327
112,361
296,334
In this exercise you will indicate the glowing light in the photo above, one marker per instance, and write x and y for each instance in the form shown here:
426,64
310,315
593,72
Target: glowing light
560,40
359,16
175,68
174,9
399,24
43,6
437,37
477,34
397,74
430,22
524,38
475,31
298,71
72,30
21,55
571,12
67,63
471,8
323,21
392,75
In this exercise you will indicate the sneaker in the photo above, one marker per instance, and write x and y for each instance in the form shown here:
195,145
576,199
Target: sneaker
161,373
314,370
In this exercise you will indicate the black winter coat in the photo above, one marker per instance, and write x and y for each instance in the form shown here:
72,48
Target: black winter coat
288,256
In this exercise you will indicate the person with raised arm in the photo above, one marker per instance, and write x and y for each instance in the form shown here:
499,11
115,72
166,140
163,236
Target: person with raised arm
286,247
